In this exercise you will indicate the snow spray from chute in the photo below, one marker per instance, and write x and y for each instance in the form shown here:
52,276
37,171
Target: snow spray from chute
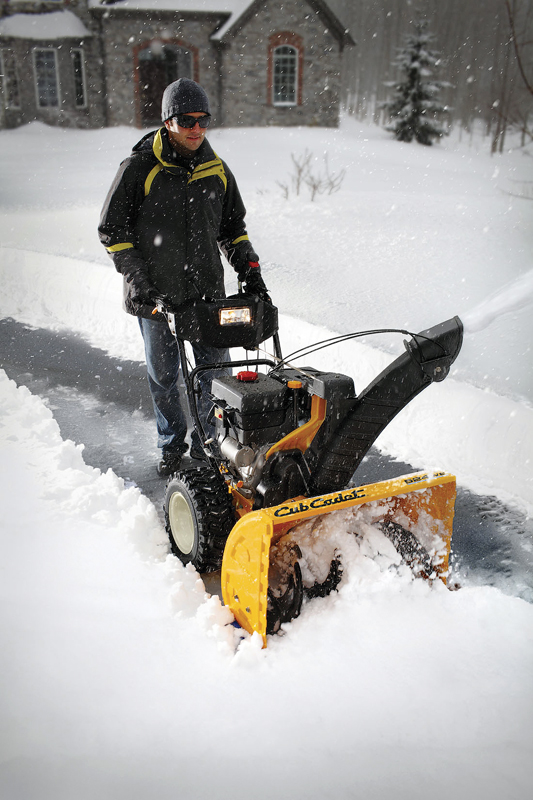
514,296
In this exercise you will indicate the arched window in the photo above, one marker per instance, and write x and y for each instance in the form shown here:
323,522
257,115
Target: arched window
285,75
285,69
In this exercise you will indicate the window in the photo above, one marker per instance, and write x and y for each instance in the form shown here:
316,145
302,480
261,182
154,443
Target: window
46,84
80,98
285,76
8,70
285,67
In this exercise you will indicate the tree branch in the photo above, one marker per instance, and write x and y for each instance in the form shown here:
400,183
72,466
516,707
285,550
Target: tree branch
517,49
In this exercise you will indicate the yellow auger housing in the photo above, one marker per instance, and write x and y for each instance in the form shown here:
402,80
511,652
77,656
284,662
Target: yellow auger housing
244,581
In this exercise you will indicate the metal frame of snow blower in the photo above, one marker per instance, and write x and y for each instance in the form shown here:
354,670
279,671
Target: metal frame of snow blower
197,320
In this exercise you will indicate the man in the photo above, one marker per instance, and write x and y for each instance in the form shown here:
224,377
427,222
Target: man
174,204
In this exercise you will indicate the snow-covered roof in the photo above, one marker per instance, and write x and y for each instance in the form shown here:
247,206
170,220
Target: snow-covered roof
234,9
240,7
237,13
200,6
55,25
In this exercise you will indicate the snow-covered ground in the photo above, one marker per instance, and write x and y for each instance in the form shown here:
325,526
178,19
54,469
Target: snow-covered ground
120,675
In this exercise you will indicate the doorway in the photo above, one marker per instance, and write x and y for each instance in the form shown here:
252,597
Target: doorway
158,65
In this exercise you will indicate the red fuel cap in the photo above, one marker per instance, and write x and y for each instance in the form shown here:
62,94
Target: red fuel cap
247,375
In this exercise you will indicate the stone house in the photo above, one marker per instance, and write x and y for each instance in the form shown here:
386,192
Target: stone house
92,63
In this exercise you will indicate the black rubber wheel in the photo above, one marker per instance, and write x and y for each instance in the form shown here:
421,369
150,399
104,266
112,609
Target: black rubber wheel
198,517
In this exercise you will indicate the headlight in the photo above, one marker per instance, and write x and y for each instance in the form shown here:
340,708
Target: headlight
235,316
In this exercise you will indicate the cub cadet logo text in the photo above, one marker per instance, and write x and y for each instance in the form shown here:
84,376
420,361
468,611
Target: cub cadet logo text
419,478
319,502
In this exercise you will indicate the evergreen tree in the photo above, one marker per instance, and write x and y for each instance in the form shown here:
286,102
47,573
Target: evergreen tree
414,107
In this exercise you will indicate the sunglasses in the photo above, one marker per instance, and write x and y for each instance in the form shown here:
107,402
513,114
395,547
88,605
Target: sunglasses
186,121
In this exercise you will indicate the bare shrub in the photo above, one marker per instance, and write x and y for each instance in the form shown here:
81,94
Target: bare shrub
317,182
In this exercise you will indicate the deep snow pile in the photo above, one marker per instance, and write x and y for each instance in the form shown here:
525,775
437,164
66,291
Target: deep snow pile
122,677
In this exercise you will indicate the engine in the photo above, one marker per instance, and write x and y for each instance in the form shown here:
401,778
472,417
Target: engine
254,411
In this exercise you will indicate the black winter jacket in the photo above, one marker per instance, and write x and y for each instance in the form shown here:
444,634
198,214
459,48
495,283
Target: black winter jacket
169,216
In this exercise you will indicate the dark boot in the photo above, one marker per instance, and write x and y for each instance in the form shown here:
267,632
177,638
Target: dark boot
170,463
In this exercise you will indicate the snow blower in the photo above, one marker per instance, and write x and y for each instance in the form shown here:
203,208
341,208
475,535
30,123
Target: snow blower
281,449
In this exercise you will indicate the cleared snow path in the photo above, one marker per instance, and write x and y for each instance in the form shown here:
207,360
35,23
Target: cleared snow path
103,403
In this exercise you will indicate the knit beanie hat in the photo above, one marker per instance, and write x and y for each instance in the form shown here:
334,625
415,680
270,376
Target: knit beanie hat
183,97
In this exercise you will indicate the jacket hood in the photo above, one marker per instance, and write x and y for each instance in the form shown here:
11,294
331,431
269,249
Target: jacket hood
145,143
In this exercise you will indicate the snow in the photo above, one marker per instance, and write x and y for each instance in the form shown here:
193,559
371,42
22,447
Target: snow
238,10
192,6
55,25
121,675
234,8
515,296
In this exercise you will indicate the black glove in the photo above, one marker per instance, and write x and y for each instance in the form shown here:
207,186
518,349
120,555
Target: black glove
143,291
254,283
250,274
245,259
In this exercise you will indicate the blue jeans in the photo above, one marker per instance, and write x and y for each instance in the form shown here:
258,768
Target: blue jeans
163,364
